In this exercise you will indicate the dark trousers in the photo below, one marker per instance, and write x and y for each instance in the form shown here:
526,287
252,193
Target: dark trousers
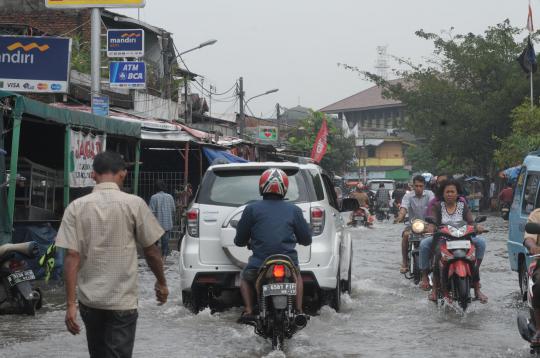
110,334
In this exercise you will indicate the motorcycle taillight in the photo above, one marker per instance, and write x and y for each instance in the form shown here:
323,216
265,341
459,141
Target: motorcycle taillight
279,271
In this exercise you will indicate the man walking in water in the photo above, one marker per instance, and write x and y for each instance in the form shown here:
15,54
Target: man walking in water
101,232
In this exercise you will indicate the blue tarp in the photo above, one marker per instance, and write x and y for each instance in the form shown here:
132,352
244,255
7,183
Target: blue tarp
213,154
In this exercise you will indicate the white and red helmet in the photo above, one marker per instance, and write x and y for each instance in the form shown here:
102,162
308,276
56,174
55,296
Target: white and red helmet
274,181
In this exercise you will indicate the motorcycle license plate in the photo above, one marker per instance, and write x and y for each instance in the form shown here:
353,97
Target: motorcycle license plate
279,289
358,218
19,277
458,244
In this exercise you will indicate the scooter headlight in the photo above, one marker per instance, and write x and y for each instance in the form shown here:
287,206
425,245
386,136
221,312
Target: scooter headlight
418,226
457,232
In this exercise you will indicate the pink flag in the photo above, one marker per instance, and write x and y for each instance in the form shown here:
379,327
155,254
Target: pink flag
320,145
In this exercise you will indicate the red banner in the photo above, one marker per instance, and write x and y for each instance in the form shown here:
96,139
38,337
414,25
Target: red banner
319,147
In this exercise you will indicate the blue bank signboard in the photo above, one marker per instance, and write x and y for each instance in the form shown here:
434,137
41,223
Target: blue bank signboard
125,43
127,74
34,64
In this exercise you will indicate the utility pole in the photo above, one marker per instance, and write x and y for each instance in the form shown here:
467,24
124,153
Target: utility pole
364,156
278,119
186,110
96,51
241,98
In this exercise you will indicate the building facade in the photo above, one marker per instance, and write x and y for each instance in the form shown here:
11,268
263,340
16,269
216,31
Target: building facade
378,125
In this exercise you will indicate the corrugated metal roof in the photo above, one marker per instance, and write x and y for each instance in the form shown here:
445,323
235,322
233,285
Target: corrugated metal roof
366,99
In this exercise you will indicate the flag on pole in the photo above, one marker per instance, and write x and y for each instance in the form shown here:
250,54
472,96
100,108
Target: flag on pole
320,145
527,59
530,25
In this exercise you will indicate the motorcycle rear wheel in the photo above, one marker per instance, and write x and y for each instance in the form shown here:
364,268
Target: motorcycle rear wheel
278,331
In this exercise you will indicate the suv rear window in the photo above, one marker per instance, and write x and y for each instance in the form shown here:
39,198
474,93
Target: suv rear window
239,187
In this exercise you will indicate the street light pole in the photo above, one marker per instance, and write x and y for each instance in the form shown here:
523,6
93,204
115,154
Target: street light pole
242,114
96,51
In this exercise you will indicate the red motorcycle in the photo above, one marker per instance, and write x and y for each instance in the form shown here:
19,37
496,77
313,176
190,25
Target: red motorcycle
362,217
458,259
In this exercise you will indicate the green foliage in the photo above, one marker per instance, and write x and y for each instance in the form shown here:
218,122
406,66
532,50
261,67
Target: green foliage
525,136
80,55
461,101
340,151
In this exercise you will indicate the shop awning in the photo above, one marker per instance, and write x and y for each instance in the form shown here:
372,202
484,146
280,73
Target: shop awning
213,154
74,118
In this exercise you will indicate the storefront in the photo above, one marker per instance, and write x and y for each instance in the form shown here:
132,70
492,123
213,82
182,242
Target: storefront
40,157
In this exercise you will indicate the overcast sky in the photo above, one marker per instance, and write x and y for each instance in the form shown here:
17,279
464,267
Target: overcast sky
295,45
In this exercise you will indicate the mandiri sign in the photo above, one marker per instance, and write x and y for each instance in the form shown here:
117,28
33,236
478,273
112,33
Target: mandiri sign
63,4
34,64
84,148
127,74
125,43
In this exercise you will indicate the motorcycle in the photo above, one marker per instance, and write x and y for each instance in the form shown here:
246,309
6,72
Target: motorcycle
361,217
16,292
276,295
505,211
382,213
418,229
527,325
458,258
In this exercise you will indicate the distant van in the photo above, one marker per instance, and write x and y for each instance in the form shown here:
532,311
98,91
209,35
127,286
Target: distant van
526,199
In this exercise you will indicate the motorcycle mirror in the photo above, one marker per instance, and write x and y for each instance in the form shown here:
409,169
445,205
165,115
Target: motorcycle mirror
480,219
533,228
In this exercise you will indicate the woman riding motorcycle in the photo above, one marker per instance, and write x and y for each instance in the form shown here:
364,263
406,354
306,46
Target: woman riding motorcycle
449,211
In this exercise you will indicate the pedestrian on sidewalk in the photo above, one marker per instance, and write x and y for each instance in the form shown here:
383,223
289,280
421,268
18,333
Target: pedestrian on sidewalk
101,232
164,208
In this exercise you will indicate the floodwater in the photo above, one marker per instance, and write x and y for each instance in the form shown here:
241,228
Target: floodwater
385,316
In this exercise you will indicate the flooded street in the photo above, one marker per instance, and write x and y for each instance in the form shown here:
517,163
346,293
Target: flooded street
386,316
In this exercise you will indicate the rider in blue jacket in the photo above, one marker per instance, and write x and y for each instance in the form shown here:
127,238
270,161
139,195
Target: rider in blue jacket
271,226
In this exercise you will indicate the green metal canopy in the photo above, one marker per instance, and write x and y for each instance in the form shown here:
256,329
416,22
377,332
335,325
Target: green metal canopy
66,117
74,118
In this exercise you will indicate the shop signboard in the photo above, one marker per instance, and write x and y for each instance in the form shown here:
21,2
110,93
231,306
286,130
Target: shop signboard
83,149
125,43
100,105
65,4
127,74
268,133
34,64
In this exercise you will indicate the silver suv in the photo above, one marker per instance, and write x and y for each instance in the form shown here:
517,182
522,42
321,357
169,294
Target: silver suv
210,262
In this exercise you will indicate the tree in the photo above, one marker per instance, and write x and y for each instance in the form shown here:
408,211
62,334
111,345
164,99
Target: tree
525,136
461,101
340,152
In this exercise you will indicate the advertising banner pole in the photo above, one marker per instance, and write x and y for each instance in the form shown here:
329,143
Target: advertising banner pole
96,51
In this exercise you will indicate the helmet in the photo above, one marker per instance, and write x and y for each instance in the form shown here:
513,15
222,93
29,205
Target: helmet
427,177
274,181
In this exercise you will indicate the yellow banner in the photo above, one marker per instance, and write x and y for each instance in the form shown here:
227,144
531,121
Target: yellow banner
59,4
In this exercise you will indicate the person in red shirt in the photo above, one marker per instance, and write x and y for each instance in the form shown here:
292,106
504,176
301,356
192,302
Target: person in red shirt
506,195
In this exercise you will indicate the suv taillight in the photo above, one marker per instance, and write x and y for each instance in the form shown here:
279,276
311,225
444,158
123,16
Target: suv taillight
193,222
317,220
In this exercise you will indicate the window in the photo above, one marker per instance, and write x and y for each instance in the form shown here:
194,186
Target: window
317,185
530,193
239,187
371,151
332,197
